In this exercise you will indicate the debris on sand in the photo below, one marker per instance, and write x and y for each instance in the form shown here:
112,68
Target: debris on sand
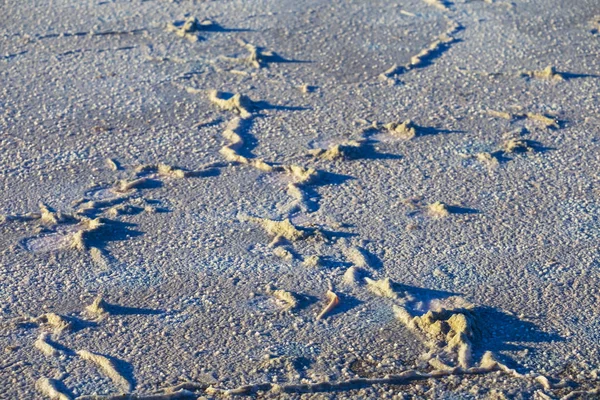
547,73
500,114
438,210
108,367
238,103
332,301
49,387
190,28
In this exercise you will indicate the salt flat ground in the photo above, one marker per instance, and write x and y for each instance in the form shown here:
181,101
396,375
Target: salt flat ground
186,270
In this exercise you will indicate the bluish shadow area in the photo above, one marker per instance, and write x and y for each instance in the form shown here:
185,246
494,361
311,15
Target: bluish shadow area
501,331
121,310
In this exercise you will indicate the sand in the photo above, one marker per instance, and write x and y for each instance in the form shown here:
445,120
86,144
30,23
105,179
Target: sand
299,199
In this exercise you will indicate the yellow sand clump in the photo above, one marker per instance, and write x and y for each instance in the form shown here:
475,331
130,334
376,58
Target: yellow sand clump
294,191
287,297
257,57
500,114
548,122
515,145
57,322
283,228
382,287
403,130
48,216
442,40
332,301
48,387
438,210
351,276
112,164
283,253
42,344
108,367
99,307
487,159
357,257
238,104
312,261
301,174
345,150
167,170
78,241
98,257
547,73
230,150
450,329
419,59
190,28
125,185
438,4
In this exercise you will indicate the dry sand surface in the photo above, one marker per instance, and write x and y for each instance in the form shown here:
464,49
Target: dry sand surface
299,199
